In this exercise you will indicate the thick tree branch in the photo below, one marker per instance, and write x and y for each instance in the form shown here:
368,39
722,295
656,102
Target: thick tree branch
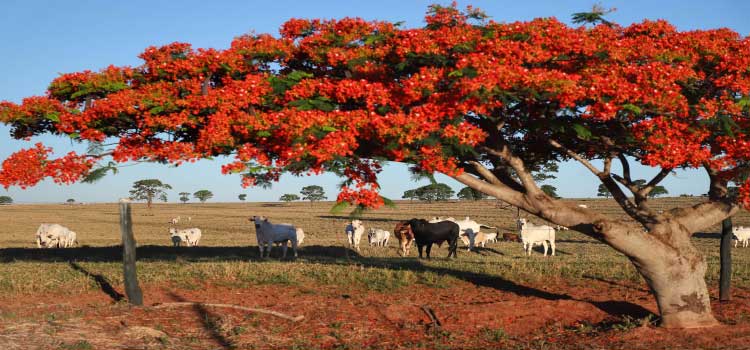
655,181
517,164
499,191
716,209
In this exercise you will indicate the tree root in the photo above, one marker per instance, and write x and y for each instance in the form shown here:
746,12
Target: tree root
229,306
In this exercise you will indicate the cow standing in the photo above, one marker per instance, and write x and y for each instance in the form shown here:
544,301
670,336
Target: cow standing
405,236
425,234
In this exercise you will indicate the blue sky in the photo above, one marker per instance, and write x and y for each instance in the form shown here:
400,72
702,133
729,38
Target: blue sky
41,39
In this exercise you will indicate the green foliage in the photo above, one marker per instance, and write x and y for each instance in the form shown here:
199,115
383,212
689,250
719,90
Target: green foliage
434,192
469,193
5,200
289,197
203,195
163,197
550,191
99,173
70,201
603,191
410,195
658,191
148,189
594,17
184,197
242,197
313,193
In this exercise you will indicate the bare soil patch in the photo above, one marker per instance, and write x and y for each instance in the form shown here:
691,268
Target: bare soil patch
560,315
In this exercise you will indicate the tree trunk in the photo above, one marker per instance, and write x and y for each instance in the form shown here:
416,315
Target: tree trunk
674,270
725,274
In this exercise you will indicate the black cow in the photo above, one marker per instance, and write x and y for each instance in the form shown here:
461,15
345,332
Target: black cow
425,234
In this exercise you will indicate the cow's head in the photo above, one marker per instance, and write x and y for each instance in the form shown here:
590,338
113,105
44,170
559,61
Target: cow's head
172,231
258,220
356,223
521,222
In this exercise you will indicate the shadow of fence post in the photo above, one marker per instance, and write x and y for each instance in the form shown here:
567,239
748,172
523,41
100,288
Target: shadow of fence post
133,291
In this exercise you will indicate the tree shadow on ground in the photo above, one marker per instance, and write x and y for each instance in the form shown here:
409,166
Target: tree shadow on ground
101,281
329,255
208,320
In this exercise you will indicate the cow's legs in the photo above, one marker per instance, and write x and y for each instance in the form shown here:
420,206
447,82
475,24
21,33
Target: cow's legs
284,247
419,247
552,244
294,247
544,244
429,247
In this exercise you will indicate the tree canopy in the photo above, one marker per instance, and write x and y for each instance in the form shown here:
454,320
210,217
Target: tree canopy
148,189
203,195
486,103
242,196
6,200
434,192
469,193
289,197
313,193
184,197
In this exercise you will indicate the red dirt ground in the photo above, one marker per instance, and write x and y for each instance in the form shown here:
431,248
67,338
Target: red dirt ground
586,314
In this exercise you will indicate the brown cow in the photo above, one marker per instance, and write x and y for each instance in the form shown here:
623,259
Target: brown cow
405,236
510,237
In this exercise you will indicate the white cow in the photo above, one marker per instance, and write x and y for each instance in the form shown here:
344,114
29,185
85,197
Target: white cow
741,234
191,236
354,232
268,233
175,221
55,236
584,206
378,237
490,237
532,234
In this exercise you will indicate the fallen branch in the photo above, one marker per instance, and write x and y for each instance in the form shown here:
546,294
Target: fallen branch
237,307
435,325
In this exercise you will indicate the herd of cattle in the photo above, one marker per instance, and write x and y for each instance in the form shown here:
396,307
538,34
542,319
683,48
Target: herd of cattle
423,233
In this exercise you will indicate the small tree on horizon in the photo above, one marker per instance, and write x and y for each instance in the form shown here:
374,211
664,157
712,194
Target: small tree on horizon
434,192
163,197
468,193
602,191
242,197
203,195
658,191
313,193
184,197
147,190
5,200
289,197
410,195
550,191
70,201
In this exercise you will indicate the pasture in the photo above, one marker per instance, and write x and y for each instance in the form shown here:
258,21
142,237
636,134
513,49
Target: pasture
588,296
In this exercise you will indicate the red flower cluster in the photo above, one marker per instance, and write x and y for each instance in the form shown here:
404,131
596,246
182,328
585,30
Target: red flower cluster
331,94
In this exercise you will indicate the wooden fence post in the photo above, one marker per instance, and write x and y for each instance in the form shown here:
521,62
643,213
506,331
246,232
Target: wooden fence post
132,290
725,272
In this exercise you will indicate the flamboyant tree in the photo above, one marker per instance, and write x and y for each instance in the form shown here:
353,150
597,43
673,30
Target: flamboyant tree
483,102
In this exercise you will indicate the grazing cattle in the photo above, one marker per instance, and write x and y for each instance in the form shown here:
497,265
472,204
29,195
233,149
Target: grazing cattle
175,221
469,229
54,236
510,237
584,206
268,233
532,234
405,236
426,233
741,234
354,232
190,236
488,237
378,237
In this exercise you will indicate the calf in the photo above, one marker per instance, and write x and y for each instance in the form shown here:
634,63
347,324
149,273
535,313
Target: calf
54,236
425,234
510,237
378,237
742,235
405,236
190,236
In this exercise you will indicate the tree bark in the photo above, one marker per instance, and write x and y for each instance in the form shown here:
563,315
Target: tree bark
725,274
132,289
674,270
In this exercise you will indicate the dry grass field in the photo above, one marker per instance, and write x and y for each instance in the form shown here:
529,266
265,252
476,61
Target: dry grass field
588,296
